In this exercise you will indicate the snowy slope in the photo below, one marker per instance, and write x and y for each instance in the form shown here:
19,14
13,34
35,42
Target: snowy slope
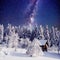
20,54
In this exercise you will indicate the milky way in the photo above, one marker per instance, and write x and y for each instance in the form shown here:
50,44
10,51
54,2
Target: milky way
31,10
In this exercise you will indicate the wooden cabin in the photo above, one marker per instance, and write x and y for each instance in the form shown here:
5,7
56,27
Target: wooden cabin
44,45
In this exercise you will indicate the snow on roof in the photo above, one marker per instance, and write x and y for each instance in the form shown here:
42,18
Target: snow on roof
43,42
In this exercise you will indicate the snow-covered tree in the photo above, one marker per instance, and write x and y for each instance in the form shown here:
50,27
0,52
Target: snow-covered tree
34,48
24,43
59,45
41,32
52,35
57,38
6,38
13,38
47,35
1,33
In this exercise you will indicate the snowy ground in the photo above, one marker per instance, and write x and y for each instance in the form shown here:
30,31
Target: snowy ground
20,54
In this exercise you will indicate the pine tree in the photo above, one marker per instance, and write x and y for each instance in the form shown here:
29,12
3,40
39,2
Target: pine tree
13,38
41,32
1,33
34,48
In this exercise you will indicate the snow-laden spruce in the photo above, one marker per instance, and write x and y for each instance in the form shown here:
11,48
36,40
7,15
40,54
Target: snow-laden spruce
34,48
13,38
24,43
1,32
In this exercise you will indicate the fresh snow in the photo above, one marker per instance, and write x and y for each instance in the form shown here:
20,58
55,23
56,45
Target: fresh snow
20,54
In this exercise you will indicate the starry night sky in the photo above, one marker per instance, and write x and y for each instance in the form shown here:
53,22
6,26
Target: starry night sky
13,11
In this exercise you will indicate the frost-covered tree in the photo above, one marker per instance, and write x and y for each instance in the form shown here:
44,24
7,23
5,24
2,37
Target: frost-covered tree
47,35
1,33
34,48
59,45
52,35
24,43
41,32
6,38
13,38
16,37
57,38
